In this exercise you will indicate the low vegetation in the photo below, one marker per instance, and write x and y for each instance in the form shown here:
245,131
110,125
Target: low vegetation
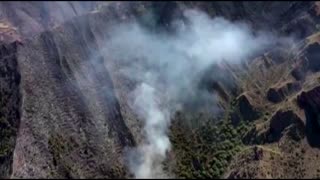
6,134
207,150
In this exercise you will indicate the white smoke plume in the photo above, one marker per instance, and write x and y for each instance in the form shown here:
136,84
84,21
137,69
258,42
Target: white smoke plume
167,68
156,122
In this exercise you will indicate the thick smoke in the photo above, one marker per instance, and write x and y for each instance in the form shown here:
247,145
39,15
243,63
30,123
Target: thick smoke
148,156
167,68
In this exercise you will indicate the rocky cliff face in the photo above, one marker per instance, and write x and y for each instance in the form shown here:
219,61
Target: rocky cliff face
10,106
64,109
310,100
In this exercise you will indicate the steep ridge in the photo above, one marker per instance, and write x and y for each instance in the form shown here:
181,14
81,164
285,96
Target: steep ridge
295,140
71,124
286,138
10,105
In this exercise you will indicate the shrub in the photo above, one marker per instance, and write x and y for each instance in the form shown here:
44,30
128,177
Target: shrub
214,144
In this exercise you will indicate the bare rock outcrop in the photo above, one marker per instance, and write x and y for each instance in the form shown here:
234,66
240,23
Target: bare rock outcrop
247,107
310,102
298,73
282,120
279,92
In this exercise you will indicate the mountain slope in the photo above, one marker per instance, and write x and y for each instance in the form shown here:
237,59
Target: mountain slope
65,112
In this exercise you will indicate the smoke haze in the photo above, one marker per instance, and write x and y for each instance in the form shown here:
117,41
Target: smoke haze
167,69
